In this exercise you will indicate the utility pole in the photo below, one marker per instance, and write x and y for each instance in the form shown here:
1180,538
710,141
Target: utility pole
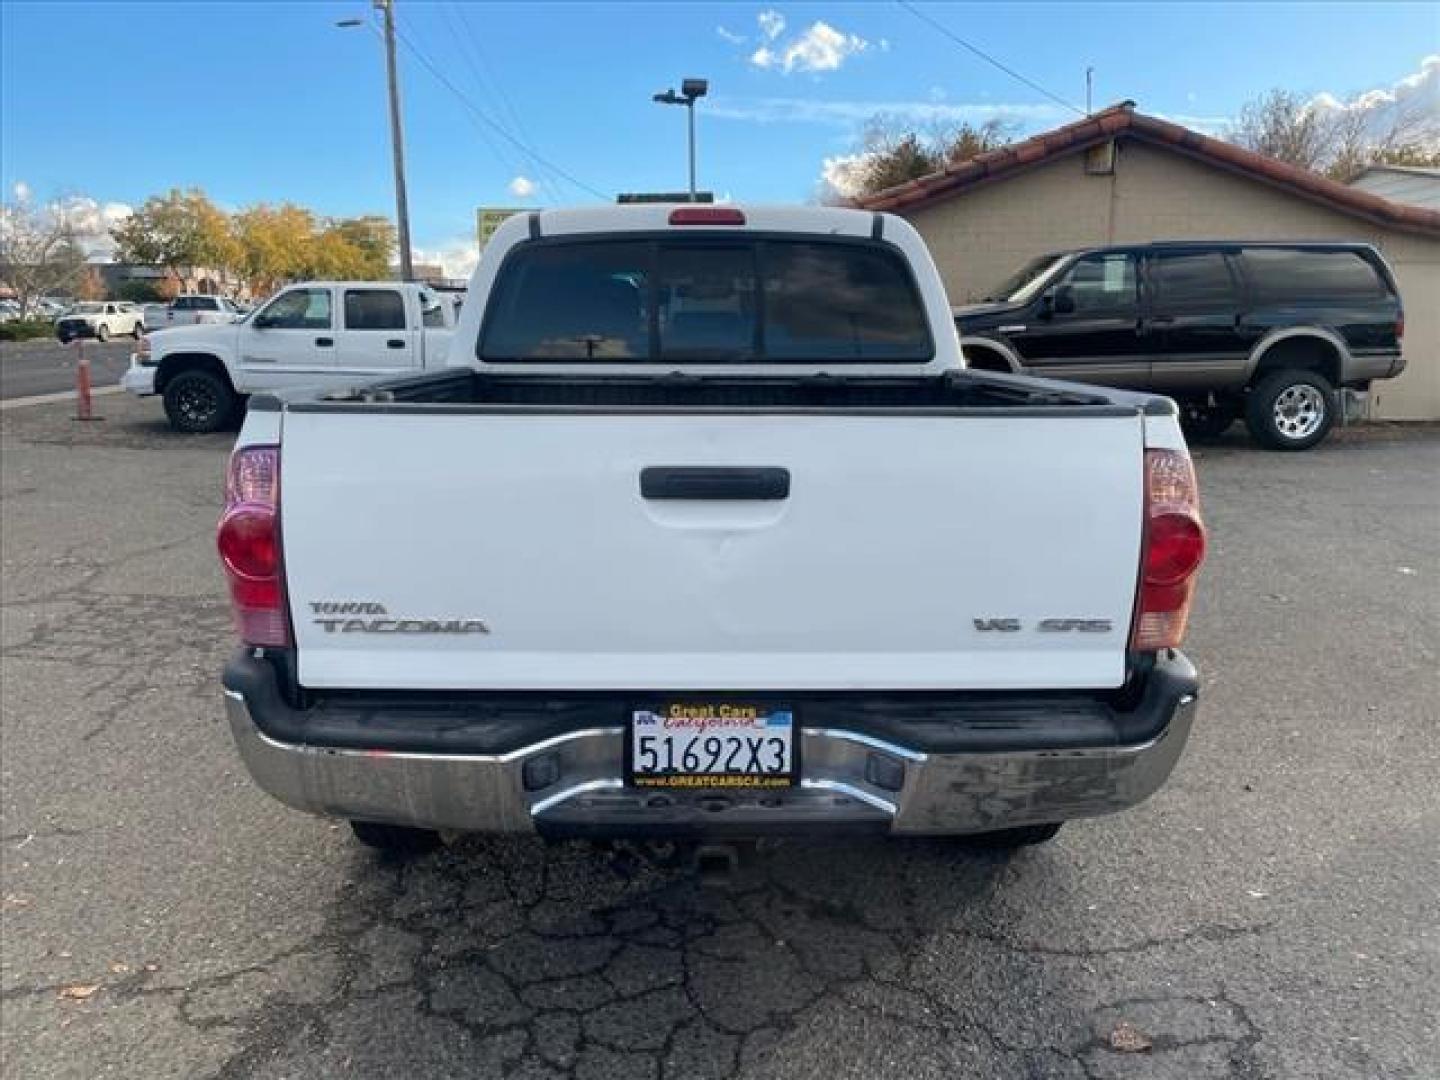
397,143
1089,88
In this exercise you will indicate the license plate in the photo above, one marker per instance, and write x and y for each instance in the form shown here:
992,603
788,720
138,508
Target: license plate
712,744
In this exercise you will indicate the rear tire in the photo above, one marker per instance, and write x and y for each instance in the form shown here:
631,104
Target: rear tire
1291,410
397,840
102,332
1011,839
138,331
1205,421
198,402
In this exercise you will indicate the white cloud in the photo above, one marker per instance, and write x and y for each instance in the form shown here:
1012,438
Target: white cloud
522,187
820,48
772,24
89,220
730,36
1420,89
852,114
458,257
1409,107
841,175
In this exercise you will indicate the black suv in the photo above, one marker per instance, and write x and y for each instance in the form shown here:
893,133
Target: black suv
1267,330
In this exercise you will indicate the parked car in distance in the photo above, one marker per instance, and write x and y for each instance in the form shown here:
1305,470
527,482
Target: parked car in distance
316,334
1266,331
100,319
711,536
189,309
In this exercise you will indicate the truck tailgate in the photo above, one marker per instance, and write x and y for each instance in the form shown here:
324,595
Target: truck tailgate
912,551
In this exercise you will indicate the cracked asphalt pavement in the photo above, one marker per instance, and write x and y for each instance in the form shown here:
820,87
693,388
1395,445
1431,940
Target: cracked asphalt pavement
1273,912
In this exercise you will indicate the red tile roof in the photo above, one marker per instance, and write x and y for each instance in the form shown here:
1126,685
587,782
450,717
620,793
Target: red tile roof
1123,121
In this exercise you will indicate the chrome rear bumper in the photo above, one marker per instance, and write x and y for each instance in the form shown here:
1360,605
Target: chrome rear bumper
572,784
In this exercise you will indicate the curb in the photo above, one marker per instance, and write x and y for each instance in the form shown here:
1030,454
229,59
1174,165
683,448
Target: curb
47,399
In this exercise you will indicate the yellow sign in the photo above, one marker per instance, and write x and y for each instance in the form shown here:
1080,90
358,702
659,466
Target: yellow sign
488,219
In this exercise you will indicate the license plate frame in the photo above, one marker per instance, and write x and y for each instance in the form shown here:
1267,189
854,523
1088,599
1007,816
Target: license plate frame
699,719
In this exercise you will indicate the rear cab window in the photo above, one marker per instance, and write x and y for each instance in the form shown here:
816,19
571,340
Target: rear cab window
374,309
705,300
1298,275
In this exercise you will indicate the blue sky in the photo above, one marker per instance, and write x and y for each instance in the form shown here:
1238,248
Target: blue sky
269,102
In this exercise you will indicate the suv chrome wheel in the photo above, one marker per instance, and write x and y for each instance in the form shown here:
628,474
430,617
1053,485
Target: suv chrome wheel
1290,410
1299,411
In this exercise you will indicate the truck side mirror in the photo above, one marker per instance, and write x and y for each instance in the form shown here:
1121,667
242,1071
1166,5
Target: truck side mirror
1062,301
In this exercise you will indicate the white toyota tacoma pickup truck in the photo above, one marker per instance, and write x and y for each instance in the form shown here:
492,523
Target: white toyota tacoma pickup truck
714,537
318,334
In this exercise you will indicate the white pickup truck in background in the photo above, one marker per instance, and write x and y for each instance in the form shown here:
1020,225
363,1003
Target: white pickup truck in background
323,334
714,537
191,309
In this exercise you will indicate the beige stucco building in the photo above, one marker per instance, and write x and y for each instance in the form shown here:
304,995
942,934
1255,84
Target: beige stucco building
1122,177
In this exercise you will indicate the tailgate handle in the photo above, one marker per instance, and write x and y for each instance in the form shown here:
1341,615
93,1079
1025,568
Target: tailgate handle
714,482
395,343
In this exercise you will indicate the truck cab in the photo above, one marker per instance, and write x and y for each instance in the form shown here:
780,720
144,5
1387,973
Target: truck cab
323,334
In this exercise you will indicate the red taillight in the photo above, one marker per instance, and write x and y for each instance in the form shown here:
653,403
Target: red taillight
707,215
1172,550
249,543
1400,327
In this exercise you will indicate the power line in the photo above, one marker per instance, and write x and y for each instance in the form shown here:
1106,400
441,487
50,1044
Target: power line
944,30
501,154
490,123
494,87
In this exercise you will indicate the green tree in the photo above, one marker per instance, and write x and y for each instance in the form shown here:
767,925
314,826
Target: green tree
180,231
39,250
891,152
1414,154
274,244
373,239
1335,139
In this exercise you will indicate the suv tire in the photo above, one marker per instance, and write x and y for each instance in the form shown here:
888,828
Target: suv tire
198,402
1009,839
395,839
1202,421
102,332
138,330
1291,409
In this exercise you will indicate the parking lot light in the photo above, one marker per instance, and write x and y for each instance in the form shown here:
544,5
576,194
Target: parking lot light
691,90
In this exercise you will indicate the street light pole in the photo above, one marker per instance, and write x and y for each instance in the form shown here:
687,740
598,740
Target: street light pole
690,109
691,90
397,144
